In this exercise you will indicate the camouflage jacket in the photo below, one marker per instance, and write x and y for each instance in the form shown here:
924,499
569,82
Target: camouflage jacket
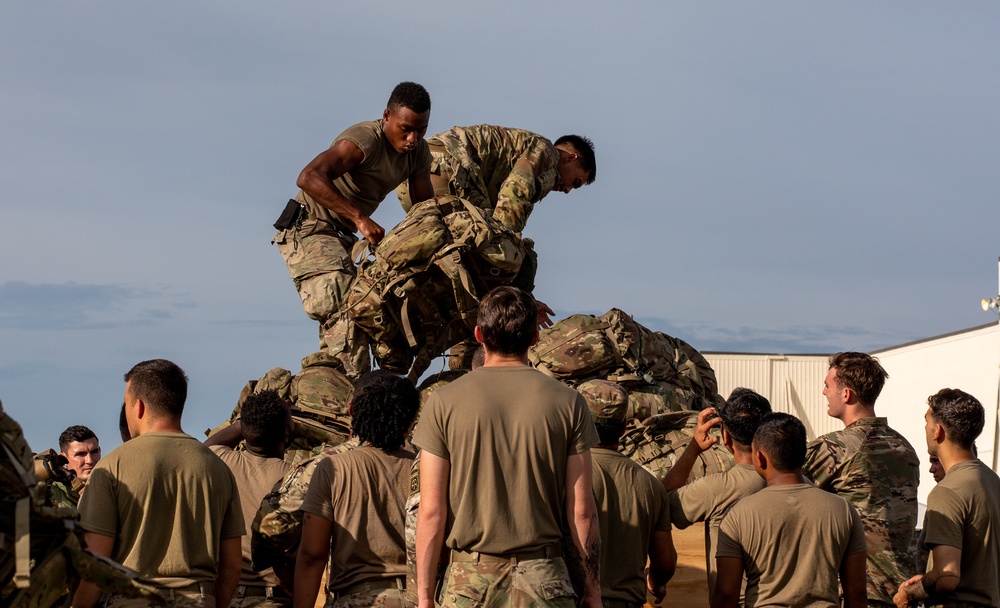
507,170
877,471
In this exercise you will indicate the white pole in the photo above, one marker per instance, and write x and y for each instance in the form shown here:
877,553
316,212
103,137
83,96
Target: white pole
996,429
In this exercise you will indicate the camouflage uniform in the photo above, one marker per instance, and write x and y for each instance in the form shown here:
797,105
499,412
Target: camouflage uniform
506,170
877,471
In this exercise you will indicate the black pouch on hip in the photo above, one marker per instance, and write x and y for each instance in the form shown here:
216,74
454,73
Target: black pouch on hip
289,215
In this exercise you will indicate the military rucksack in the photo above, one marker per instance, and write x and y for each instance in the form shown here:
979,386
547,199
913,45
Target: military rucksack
319,397
659,441
419,293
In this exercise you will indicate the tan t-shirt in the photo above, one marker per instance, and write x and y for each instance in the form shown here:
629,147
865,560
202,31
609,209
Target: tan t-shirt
167,500
631,505
255,476
963,511
363,493
368,182
708,499
507,432
792,540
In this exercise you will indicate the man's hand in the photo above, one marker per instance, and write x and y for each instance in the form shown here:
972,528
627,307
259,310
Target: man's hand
708,418
901,599
544,315
370,230
659,592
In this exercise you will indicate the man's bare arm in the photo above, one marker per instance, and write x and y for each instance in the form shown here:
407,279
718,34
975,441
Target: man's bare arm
88,593
678,474
728,582
421,188
230,436
230,565
662,562
314,550
431,516
316,180
581,512
853,578
942,578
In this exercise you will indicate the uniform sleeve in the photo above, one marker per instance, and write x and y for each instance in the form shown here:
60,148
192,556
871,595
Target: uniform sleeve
98,507
584,432
694,502
429,432
662,520
318,499
943,520
365,137
729,534
232,521
532,176
824,461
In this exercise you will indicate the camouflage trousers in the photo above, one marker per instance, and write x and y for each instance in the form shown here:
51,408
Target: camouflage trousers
261,597
514,584
385,598
186,597
319,262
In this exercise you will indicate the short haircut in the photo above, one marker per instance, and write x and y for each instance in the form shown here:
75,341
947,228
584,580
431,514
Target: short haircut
961,415
161,385
860,372
409,95
783,438
264,418
585,148
123,425
741,414
383,407
77,432
508,319
609,432
478,357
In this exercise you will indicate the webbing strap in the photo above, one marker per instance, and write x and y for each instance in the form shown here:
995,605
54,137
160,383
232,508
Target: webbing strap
358,251
411,339
22,545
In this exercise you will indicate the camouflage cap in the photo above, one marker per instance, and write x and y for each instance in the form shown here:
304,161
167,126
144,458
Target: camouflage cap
607,401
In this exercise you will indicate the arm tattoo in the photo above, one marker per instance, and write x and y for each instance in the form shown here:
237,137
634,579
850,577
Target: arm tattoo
593,562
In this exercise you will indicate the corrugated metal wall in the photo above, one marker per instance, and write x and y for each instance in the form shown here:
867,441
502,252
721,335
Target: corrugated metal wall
792,383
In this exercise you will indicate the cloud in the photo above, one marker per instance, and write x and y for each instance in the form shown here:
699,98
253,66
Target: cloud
27,306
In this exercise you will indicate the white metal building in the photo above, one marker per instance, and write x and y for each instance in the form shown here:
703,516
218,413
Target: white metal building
967,359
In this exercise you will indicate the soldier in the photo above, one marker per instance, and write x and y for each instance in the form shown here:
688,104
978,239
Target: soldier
963,512
873,467
163,505
632,508
265,425
792,539
357,498
937,472
505,170
82,450
505,457
709,499
340,190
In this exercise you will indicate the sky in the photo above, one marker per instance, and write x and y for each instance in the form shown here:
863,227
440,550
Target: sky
792,177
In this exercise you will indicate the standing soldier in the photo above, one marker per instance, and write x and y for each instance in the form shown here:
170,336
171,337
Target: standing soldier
340,190
356,499
506,457
963,512
873,467
265,425
709,498
632,508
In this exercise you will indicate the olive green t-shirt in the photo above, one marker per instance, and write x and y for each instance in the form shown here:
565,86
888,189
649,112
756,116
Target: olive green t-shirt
363,492
255,476
378,174
963,511
507,433
167,500
792,540
708,499
631,505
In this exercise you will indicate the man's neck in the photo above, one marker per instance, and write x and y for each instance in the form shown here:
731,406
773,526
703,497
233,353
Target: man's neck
160,425
743,456
778,478
499,360
853,413
951,454
265,452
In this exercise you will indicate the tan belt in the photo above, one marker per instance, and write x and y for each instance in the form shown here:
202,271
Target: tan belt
549,552
375,585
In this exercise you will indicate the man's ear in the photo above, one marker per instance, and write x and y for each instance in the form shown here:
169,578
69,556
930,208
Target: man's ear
478,333
534,338
760,459
939,433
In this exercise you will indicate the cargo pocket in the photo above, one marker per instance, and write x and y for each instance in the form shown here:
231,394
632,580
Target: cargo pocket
463,587
552,590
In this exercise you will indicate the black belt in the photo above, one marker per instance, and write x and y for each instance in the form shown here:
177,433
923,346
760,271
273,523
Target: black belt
548,552
262,591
